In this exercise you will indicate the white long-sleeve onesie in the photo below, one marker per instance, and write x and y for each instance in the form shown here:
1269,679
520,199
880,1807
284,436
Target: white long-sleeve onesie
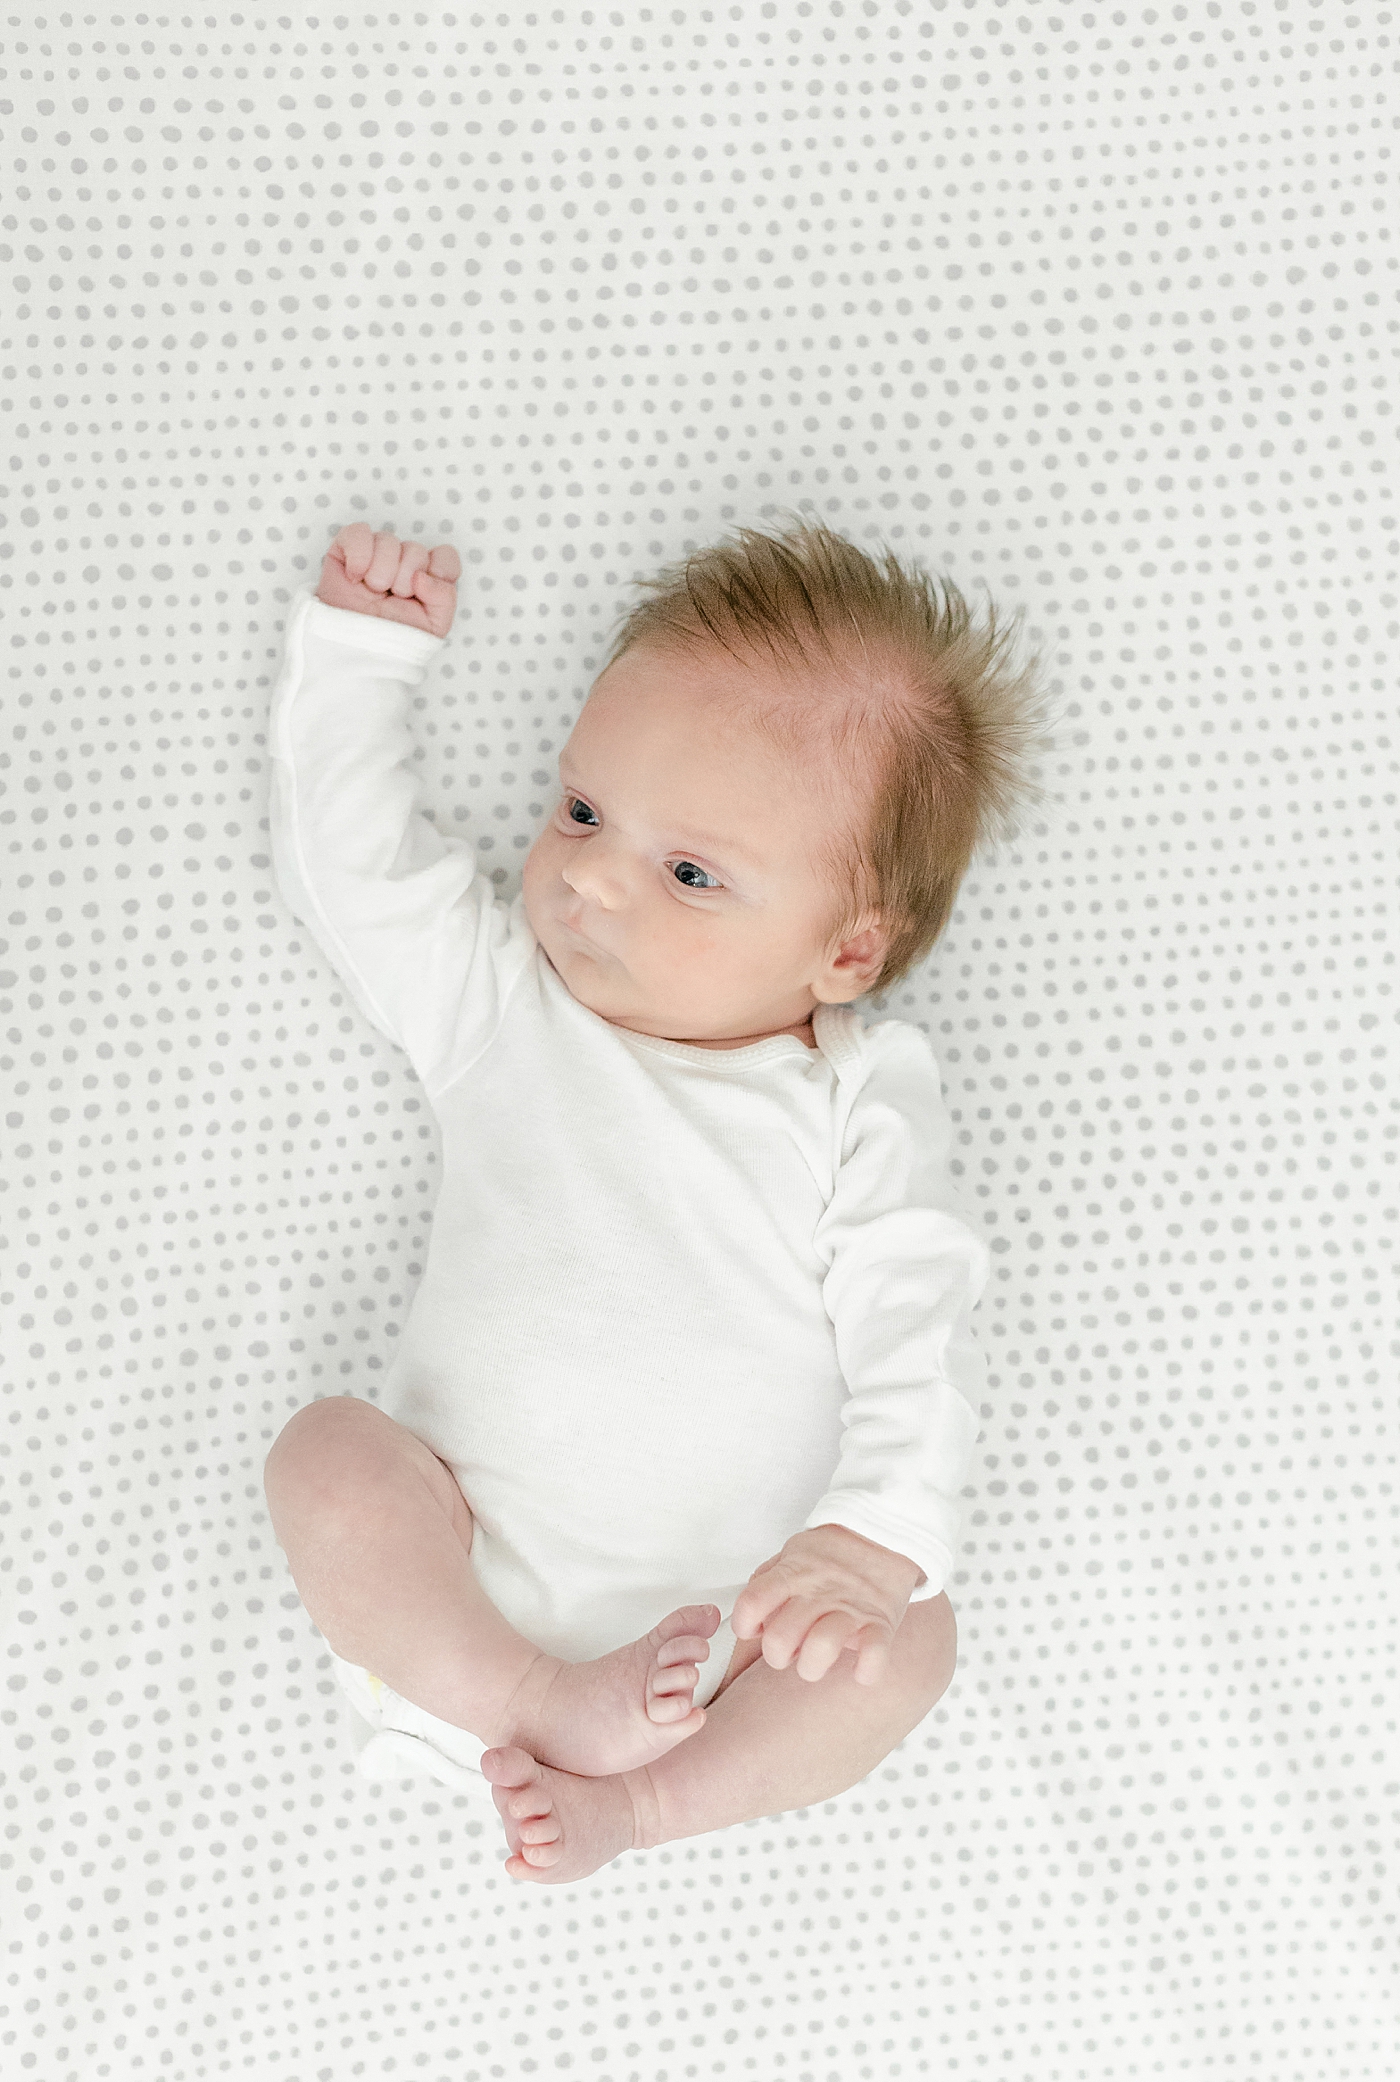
679,1302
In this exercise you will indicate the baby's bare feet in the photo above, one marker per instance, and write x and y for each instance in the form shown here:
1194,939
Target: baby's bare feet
622,1709
559,1826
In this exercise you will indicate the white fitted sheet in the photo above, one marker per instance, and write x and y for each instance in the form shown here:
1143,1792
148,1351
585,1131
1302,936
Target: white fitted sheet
1096,310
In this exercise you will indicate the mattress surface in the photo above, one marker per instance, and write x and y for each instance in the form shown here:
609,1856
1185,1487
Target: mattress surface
1093,312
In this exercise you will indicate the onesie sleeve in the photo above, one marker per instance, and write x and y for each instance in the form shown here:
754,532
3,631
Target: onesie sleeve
398,908
905,1273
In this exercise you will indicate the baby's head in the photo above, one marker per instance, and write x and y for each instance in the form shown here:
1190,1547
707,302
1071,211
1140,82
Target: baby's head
775,786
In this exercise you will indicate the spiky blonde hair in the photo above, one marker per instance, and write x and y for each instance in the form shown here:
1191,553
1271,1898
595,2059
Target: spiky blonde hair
924,713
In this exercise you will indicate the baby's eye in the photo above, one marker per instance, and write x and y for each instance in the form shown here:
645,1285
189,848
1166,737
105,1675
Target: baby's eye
685,869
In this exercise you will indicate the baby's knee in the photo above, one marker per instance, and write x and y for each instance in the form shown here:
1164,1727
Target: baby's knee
340,1461
321,1449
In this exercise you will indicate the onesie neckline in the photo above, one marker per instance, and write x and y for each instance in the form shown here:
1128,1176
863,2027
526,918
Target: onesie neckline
771,1048
828,1031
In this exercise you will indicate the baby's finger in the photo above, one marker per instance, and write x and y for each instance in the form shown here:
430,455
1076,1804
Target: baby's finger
439,600
756,1602
444,562
383,564
872,1658
823,1645
412,559
786,1634
353,547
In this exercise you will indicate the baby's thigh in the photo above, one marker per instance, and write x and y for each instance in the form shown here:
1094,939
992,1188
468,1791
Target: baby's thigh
340,1455
922,1655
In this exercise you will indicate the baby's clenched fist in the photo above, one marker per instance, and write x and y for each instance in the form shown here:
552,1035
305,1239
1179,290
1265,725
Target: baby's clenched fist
828,1590
399,581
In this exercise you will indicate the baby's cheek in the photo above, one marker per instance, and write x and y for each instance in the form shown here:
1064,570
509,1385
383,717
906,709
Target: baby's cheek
535,869
546,841
541,880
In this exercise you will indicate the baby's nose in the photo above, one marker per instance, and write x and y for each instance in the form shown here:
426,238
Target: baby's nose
592,876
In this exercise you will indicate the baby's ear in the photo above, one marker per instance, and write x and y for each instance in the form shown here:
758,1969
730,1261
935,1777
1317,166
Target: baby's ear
854,964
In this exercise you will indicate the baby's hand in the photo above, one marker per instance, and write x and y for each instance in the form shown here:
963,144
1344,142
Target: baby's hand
401,581
829,1589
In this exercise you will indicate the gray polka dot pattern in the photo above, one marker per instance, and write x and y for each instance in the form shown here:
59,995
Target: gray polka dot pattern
1094,309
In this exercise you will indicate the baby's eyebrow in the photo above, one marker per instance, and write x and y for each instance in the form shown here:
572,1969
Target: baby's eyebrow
717,848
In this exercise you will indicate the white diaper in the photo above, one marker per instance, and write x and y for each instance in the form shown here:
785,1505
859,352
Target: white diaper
396,1739
402,1741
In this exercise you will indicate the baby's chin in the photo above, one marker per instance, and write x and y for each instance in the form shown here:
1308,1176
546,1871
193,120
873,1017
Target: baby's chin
573,957
598,982
584,971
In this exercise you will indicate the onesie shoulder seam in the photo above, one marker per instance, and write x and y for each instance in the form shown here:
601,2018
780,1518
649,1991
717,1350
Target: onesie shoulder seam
904,1034
866,1042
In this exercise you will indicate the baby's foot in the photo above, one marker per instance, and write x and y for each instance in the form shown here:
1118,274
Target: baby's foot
558,1826
622,1709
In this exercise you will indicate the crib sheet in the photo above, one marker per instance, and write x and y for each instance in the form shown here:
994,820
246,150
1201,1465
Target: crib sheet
1090,309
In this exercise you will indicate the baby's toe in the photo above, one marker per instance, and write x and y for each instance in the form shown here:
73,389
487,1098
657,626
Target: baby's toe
665,1711
688,1625
541,1830
508,1767
676,1677
538,1857
685,1648
530,1807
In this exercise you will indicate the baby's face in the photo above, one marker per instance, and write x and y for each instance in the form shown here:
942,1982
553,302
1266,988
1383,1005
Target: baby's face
675,888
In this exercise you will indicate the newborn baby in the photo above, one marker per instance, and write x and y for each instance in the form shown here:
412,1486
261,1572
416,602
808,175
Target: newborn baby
689,1380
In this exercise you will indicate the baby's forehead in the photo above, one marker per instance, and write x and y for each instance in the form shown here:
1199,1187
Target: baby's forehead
803,704
786,730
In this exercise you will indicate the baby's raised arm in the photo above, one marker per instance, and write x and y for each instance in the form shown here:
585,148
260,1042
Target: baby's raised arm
398,908
399,581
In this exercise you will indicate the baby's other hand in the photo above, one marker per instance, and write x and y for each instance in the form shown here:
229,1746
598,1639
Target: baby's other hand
830,1589
399,581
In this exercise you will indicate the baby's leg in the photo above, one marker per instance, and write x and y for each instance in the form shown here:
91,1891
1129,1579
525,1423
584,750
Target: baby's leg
773,1742
776,1741
378,1537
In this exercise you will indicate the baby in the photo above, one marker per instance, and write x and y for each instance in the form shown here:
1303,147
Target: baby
690,1371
